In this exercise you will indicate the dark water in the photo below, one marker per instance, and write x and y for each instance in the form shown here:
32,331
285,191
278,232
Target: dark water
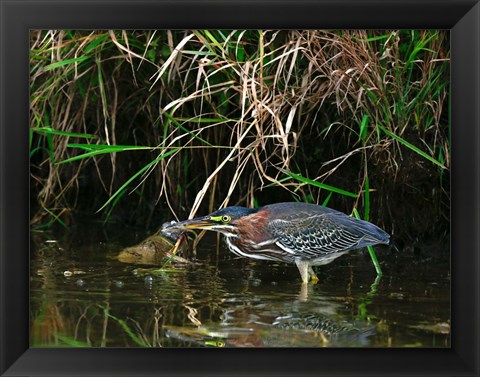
82,296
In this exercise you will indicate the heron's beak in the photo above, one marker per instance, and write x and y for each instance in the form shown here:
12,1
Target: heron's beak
193,224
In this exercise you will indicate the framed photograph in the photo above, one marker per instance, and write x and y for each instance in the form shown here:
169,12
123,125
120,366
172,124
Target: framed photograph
258,188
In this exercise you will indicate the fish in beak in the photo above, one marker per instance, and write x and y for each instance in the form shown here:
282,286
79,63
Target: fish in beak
200,223
203,222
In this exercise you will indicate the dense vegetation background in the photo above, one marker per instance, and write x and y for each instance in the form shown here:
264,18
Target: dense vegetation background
149,125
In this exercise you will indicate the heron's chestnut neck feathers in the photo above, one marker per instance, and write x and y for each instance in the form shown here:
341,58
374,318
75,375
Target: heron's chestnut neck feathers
253,226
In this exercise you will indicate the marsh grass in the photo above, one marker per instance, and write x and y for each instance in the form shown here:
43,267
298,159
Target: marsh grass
187,121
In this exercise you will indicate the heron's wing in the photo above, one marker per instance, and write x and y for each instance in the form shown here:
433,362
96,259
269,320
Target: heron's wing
317,235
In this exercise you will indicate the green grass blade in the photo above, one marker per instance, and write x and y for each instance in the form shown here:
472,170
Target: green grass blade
128,330
327,199
378,269
112,148
364,128
377,38
197,53
51,131
132,178
174,121
95,150
308,181
419,47
412,147
83,156
95,43
114,203
66,62
55,218
213,40
71,342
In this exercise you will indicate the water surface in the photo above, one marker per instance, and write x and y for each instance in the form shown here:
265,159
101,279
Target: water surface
82,296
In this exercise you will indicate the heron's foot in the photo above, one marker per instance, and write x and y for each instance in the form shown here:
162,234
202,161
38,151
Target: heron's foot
313,276
303,269
306,272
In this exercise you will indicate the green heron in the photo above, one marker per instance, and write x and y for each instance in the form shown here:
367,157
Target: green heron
305,234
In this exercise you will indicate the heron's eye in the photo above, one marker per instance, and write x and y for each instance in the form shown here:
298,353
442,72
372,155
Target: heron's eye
226,219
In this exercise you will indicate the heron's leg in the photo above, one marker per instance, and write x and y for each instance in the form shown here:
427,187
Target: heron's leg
303,267
312,275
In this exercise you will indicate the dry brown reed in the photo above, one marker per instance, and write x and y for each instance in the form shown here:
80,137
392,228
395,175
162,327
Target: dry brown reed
228,114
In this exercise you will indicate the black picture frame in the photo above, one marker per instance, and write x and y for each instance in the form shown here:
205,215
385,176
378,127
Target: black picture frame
17,17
